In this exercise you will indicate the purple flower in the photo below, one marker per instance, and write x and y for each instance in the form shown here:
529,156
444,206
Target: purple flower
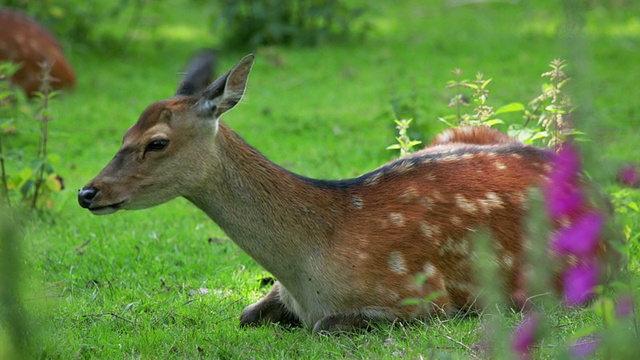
625,305
579,282
629,176
525,336
562,190
584,346
566,164
580,238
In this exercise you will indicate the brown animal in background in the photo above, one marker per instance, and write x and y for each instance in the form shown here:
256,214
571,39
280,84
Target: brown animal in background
345,252
24,41
479,135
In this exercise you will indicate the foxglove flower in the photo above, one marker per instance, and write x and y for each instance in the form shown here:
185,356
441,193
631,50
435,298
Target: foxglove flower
579,282
581,238
525,336
584,347
562,190
625,305
630,176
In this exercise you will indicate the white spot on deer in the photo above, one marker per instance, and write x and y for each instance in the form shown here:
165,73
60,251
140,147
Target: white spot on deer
396,219
508,261
547,168
520,199
437,196
373,178
396,263
429,230
427,202
429,270
450,158
516,156
453,246
455,220
430,177
427,160
402,166
409,194
468,156
361,255
357,202
393,295
463,286
465,204
499,165
490,202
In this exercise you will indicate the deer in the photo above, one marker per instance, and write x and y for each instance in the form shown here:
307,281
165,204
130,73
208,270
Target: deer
27,43
345,253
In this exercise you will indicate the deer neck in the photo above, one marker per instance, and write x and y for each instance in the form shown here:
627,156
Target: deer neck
280,219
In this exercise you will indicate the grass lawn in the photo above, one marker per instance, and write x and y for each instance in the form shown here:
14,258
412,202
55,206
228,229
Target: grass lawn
167,282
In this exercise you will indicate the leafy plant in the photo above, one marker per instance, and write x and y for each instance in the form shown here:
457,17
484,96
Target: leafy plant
550,110
404,142
483,113
253,23
30,177
546,117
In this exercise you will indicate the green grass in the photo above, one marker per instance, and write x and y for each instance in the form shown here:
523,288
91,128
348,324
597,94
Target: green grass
126,285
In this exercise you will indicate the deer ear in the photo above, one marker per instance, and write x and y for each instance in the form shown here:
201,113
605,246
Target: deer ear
224,93
198,74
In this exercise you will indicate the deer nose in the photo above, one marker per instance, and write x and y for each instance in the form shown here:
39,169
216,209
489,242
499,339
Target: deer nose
86,196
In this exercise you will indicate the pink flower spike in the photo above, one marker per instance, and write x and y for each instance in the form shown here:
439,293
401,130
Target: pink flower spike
580,238
625,305
583,347
629,175
525,336
579,283
562,199
562,190
566,164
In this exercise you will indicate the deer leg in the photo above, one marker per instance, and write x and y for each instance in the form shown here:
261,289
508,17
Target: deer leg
355,321
269,309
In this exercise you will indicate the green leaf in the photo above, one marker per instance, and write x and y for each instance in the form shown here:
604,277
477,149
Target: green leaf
53,159
540,135
486,82
512,107
554,109
606,309
580,333
53,183
633,206
493,122
445,121
410,302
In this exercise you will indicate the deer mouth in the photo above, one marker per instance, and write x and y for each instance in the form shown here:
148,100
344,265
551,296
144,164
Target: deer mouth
107,209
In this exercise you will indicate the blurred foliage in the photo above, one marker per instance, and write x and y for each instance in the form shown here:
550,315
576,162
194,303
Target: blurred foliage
27,173
83,23
253,23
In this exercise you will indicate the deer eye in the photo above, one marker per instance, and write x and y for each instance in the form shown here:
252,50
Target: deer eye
157,145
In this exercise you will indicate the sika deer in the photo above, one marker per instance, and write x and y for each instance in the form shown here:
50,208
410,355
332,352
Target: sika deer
24,41
344,252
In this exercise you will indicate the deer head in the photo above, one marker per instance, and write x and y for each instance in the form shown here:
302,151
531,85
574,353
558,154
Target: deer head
172,147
